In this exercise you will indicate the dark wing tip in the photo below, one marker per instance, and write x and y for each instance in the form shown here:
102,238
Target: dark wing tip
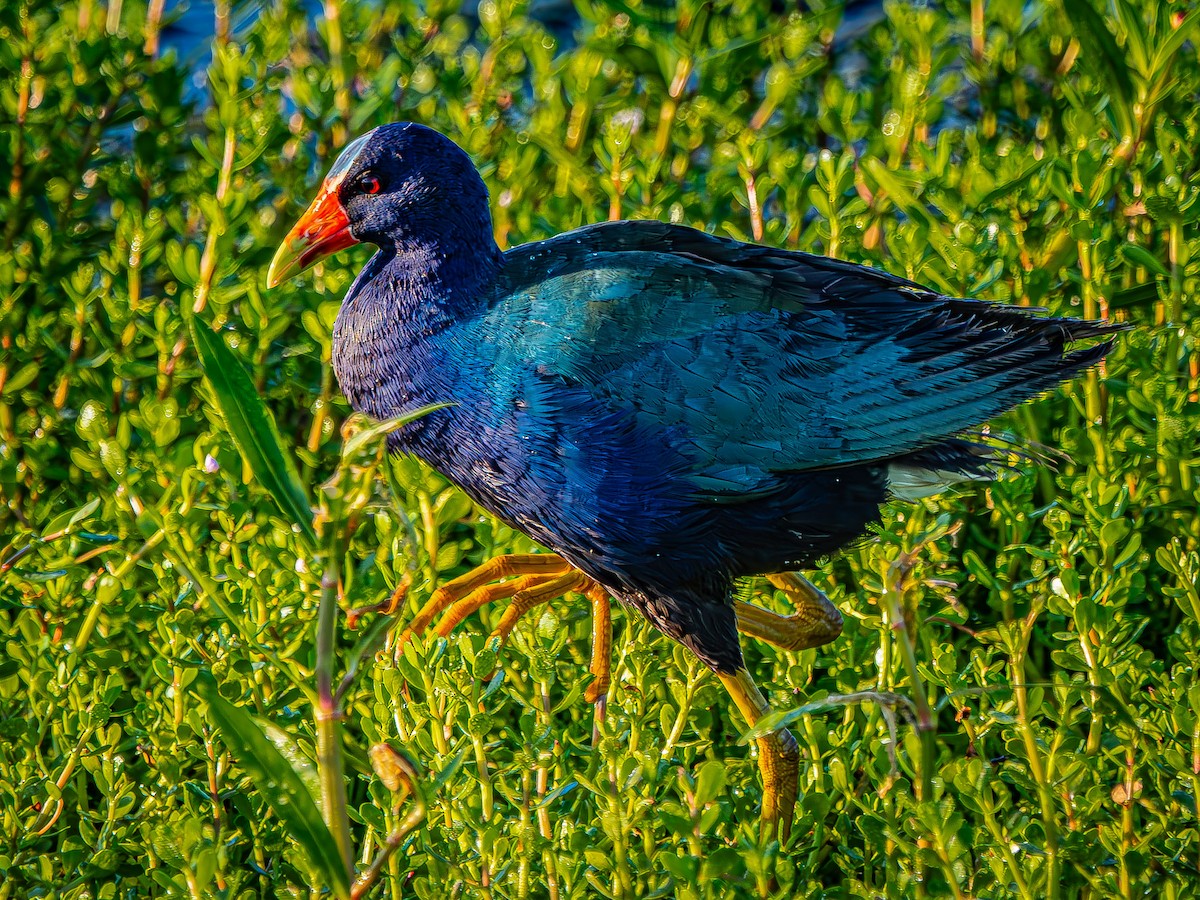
1086,329
1086,357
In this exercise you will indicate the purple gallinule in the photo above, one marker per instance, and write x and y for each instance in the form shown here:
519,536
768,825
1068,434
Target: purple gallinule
665,410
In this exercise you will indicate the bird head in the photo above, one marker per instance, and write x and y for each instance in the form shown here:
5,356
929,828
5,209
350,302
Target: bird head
400,183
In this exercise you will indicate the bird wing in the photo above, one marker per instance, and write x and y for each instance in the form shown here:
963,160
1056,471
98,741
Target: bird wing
760,361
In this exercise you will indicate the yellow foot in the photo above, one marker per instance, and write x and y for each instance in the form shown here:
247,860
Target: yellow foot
531,566
533,580
815,622
532,591
387,607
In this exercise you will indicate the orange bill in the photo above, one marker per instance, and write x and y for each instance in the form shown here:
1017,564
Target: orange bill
322,230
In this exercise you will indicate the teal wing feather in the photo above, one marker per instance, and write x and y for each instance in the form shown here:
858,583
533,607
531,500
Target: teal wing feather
760,362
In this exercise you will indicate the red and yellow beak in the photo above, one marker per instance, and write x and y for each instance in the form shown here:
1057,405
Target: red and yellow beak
322,230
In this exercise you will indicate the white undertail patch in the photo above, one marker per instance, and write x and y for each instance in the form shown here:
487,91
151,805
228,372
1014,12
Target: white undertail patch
918,482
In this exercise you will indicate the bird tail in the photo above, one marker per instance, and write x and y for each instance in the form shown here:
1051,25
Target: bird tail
983,358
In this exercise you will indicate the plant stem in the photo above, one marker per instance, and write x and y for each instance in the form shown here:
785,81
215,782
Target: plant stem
1002,842
93,616
542,784
368,878
1033,752
328,720
926,726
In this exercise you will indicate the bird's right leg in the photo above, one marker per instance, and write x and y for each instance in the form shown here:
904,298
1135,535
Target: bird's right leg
778,756
815,622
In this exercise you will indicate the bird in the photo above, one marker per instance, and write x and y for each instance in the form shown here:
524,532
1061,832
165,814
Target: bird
664,410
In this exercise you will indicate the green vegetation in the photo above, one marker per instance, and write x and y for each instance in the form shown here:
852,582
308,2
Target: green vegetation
1013,709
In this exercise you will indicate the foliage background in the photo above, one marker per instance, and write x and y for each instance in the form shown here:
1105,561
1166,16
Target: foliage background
1037,153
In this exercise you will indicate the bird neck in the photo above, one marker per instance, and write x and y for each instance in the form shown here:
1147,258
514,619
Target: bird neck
387,337
444,279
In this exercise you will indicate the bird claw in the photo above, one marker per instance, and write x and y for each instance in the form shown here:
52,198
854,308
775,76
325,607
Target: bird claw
388,607
815,622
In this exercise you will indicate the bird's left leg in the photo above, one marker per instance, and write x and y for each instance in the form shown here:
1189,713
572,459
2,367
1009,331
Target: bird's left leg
815,622
778,756
601,667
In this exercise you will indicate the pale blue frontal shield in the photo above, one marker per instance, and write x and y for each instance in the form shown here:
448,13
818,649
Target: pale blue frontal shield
348,156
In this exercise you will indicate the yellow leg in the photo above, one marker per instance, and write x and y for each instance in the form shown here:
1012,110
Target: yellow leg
815,622
601,667
778,757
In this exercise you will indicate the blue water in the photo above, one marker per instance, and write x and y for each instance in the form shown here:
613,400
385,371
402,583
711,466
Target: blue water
189,25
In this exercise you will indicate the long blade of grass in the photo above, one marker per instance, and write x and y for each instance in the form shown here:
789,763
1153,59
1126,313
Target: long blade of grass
253,429
280,785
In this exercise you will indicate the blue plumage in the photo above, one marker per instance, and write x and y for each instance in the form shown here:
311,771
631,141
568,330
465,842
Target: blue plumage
665,409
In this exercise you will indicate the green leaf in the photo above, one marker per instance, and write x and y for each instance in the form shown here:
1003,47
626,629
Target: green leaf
1013,186
1165,52
907,203
1140,256
447,773
64,522
280,785
21,379
1134,296
372,432
710,782
253,429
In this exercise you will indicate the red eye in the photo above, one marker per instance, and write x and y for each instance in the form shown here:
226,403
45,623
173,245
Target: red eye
369,185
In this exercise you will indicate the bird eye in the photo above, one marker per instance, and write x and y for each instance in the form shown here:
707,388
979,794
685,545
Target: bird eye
368,184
